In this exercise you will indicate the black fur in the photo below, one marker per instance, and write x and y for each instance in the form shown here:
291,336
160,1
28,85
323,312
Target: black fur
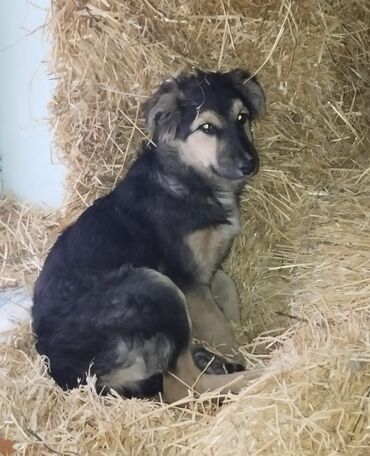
94,291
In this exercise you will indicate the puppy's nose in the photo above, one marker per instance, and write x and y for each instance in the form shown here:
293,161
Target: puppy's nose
248,167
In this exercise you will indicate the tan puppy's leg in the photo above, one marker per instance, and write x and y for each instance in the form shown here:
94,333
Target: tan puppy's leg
187,376
208,321
226,295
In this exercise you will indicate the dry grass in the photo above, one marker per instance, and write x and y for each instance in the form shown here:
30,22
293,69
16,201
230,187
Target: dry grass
302,261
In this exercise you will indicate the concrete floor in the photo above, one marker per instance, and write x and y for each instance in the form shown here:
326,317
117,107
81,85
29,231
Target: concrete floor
15,307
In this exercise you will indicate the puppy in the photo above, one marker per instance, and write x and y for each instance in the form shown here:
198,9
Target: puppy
125,289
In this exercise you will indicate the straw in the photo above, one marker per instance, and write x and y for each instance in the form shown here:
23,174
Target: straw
301,262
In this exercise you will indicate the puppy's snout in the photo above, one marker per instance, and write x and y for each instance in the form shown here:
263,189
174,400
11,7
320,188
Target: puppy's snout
248,166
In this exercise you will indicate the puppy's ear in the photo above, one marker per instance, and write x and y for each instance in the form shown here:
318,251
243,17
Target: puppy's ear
162,111
251,91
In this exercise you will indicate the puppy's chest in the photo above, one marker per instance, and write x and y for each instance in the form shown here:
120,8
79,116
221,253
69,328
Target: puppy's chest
209,245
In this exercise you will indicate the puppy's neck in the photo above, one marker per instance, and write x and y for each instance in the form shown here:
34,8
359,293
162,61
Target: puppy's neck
227,199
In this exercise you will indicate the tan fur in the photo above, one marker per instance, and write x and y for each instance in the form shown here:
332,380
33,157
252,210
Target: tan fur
207,246
210,244
187,377
226,296
209,323
199,149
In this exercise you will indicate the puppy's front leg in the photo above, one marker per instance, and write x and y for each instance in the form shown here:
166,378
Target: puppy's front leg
226,295
208,321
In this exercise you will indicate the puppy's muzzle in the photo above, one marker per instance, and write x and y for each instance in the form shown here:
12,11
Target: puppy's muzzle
248,166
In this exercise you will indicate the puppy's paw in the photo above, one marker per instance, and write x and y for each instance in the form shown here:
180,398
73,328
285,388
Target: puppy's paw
214,364
234,367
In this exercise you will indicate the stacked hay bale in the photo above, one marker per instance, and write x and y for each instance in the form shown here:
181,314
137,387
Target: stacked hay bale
302,261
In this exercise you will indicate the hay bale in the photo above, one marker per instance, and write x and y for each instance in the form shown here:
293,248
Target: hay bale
302,261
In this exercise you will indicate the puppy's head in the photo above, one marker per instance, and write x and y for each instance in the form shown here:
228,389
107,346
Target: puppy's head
206,118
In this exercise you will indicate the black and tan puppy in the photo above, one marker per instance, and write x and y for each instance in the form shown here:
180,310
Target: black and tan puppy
127,286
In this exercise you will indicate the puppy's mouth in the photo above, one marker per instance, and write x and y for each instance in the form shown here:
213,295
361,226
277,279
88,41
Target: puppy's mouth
232,175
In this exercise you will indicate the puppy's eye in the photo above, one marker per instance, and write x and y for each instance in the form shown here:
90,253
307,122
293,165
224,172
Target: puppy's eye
242,118
208,128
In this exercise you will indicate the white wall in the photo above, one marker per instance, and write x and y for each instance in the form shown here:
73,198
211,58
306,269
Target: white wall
29,170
